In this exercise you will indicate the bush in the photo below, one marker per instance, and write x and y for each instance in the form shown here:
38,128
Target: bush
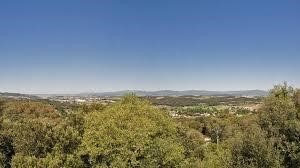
131,133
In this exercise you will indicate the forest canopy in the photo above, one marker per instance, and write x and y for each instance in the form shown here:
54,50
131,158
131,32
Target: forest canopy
134,133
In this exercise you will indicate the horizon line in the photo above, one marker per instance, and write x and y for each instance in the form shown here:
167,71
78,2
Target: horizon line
128,90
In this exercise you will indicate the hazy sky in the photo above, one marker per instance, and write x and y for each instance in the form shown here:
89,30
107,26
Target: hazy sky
104,45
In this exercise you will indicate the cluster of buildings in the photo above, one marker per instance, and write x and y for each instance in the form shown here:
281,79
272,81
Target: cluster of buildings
82,99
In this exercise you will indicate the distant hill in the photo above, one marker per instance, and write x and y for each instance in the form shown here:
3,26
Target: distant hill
17,95
181,93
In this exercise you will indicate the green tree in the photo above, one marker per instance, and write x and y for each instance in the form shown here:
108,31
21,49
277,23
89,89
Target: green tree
280,119
50,161
30,110
217,156
220,129
254,150
297,98
6,150
131,133
33,138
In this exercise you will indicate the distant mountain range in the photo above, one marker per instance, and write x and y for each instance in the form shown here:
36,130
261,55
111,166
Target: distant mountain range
181,93
145,93
17,95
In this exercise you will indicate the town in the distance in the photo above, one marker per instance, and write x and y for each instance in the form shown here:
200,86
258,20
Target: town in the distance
190,103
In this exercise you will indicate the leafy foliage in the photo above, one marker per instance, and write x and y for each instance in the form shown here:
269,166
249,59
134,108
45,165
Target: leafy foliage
182,101
134,133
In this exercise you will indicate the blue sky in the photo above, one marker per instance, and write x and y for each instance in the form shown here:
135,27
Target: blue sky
65,46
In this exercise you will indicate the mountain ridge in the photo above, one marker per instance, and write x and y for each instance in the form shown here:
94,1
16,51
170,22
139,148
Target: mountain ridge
180,93
252,93
18,95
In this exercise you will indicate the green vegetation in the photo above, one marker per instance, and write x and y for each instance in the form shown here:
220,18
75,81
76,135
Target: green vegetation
131,133
204,110
197,110
207,100
134,133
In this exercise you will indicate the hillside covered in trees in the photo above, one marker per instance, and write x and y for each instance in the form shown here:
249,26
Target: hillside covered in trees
133,132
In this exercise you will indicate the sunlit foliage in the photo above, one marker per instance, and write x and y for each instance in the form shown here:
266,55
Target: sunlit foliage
134,133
